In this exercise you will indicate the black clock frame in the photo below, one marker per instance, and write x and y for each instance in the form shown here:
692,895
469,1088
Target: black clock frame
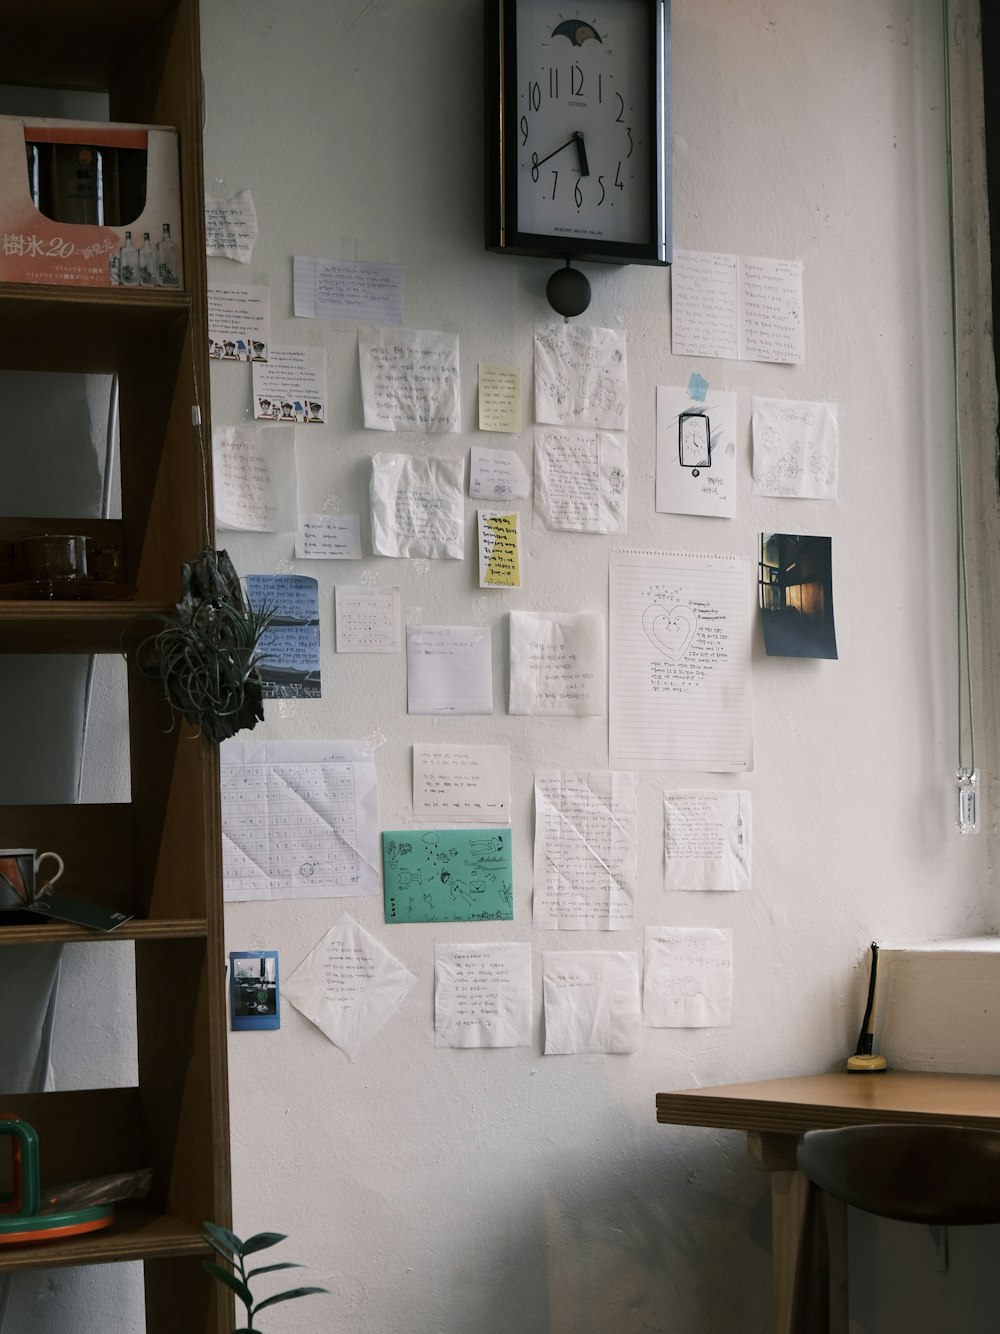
501,149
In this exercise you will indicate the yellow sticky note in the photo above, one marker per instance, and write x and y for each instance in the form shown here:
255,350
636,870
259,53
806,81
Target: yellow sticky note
499,551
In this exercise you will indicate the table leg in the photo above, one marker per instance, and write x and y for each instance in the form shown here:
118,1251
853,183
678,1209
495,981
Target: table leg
789,1189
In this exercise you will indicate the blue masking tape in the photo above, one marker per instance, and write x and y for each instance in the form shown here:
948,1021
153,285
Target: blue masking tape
697,388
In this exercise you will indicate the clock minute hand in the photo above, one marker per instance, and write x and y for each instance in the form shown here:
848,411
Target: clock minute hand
576,138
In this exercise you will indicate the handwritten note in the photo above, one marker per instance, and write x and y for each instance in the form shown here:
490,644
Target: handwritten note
704,305
461,784
368,619
418,506
747,309
291,387
482,995
772,327
239,323
794,448
695,452
580,376
299,819
585,850
581,480
557,663
688,981
499,398
409,380
254,476
289,647
591,1001
347,290
231,226
348,985
328,537
706,840
447,875
497,474
680,662
499,550
449,669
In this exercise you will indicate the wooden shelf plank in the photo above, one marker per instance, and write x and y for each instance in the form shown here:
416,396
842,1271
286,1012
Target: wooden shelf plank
49,931
94,329
136,1234
78,626
83,42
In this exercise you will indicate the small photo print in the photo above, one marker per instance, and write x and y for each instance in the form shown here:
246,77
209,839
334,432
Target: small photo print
253,989
795,593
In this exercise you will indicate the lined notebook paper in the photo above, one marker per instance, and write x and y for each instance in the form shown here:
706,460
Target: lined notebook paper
680,662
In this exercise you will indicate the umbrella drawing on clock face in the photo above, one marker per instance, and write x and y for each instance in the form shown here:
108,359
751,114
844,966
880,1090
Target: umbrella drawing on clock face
577,31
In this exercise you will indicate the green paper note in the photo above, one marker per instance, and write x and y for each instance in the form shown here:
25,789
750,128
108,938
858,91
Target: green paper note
447,875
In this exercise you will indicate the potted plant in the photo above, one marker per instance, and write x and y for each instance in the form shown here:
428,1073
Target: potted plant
237,1277
205,657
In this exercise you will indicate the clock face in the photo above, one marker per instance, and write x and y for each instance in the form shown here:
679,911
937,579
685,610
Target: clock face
586,163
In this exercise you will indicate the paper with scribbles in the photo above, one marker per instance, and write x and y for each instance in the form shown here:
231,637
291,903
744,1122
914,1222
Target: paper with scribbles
348,985
679,686
449,669
447,875
585,850
581,480
254,476
695,452
688,977
482,995
499,398
706,840
409,379
461,784
581,377
738,307
591,1001
299,819
417,506
557,663
794,449
499,549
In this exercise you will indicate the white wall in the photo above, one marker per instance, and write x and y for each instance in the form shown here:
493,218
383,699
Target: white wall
458,1191
480,1192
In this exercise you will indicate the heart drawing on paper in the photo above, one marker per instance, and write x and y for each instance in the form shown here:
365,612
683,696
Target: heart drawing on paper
670,632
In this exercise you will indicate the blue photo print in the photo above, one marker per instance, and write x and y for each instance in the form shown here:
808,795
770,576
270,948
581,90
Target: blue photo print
253,989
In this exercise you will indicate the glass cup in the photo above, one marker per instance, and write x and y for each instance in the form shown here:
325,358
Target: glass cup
65,556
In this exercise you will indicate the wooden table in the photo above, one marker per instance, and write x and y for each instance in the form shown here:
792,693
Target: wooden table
775,1113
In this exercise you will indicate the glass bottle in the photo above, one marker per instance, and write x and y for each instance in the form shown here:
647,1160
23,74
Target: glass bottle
148,269
168,260
128,263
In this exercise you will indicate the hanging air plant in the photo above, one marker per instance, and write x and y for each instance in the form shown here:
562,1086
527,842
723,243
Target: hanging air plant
205,657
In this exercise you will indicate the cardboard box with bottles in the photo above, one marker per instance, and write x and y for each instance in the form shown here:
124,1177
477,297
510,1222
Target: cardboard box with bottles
90,204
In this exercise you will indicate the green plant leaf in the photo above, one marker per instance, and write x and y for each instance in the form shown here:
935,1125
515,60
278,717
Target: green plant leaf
226,1239
286,1297
230,1280
220,1250
261,1241
270,1269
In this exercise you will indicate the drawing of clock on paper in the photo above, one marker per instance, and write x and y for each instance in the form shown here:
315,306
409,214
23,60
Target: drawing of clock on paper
577,130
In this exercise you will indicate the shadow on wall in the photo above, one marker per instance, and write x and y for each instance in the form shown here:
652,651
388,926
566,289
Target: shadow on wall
675,1241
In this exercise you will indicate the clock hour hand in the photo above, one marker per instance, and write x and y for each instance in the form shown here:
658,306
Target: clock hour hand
582,152
577,139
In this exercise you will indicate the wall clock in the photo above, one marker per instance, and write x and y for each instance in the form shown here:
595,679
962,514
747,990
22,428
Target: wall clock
577,125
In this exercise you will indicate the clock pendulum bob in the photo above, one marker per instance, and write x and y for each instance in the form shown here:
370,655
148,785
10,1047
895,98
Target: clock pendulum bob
568,292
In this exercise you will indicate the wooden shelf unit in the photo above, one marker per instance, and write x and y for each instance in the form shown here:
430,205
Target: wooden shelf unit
158,855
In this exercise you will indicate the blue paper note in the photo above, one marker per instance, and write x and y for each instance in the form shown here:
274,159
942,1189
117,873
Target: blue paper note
447,875
697,387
